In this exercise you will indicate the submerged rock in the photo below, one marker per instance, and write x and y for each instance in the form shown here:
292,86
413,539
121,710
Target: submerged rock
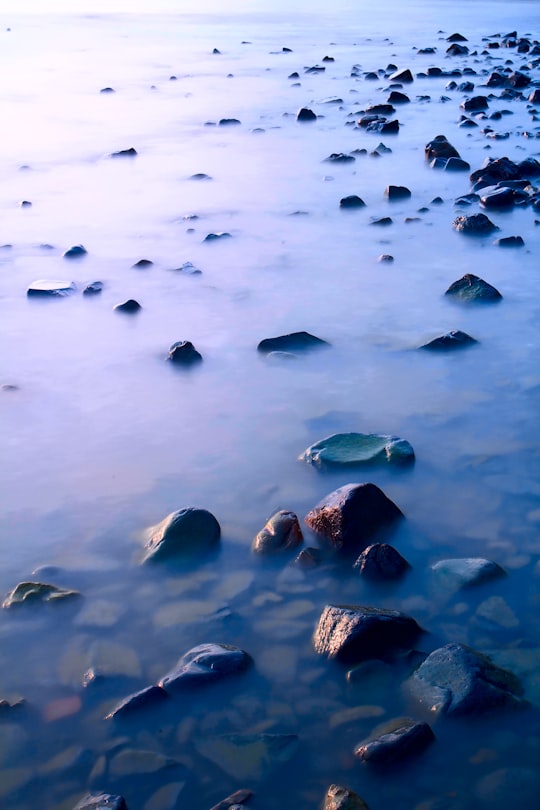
281,533
213,237
341,798
354,633
475,224
184,353
101,801
351,449
50,288
187,531
293,342
204,664
450,342
145,698
37,592
403,738
351,515
457,680
248,756
339,157
471,288
467,571
381,562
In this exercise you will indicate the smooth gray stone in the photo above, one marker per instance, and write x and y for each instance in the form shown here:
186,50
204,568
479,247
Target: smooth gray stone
204,664
404,738
185,531
281,533
50,288
101,801
457,680
355,633
467,571
31,592
351,449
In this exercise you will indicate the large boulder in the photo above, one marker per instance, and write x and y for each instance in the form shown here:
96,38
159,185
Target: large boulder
351,449
354,633
495,170
341,798
399,739
471,288
281,532
187,531
204,664
349,517
457,680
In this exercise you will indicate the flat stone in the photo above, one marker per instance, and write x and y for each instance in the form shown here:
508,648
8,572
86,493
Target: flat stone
381,561
471,288
184,353
352,449
349,517
466,572
29,592
248,756
341,798
450,342
293,342
101,801
404,738
50,288
281,533
457,680
185,531
475,225
144,699
355,633
205,664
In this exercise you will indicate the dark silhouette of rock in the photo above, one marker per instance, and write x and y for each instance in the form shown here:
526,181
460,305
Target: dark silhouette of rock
396,97
281,533
510,241
456,38
382,221
75,252
184,353
142,264
474,225
186,531
404,738
439,147
397,192
472,288
404,76
502,197
341,798
339,157
205,664
48,288
94,288
475,104
457,50
228,122
450,342
144,699
130,306
352,201
214,237
125,153
454,164
305,114
293,342
381,562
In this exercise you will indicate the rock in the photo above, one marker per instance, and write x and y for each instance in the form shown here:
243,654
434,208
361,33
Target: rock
471,288
384,127
101,801
7,706
106,90
534,98
204,664
142,264
451,341
345,449
350,516
496,611
239,797
352,201
386,258
341,798
75,252
50,288
457,50
466,572
383,221
475,225
228,122
339,157
404,76
306,114
439,147
131,152
184,353
502,197
510,242
456,680
309,557
189,530
214,237
93,288
37,592
381,562
293,342
397,192
248,756
145,698
403,738
281,533
456,38
396,97
188,269
494,171
25,204
475,104
200,176
455,164
354,633
130,306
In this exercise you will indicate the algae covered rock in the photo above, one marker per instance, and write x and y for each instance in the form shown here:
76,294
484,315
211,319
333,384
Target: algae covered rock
281,532
351,449
186,531
37,592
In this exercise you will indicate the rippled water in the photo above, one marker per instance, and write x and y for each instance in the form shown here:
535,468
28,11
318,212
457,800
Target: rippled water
103,438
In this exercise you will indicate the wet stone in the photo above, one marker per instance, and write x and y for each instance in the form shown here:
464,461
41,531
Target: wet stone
396,97
381,561
281,533
439,147
205,664
248,756
228,122
471,288
146,698
475,104
94,288
397,192
474,225
496,611
305,114
351,449
457,50
404,76
510,242
129,307
184,353
450,342
339,157
355,633
32,592
341,798
293,342
404,738
125,153
101,801
503,197
239,797
215,237
75,252
352,201
142,264
382,221
50,288
454,164
466,572
385,258
188,530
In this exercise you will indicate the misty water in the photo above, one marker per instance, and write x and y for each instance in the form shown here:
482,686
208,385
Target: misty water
102,437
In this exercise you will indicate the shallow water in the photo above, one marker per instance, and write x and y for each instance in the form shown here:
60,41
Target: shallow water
103,438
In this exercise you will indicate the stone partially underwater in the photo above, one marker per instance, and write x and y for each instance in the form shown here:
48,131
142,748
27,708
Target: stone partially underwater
352,449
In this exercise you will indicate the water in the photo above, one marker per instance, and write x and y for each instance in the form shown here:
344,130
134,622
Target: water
103,438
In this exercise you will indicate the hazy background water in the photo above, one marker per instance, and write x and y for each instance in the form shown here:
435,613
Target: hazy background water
103,438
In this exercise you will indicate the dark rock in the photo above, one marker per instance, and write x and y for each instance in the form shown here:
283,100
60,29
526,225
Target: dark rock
382,221
352,201
467,199
494,171
49,288
227,122
281,533
456,165
93,288
188,269
341,798
200,176
7,706
384,127
502,197
396,97
305,114
293,342
472,288
468,123
404,76
379,109
339,157
381,562
457,50
235,799
352,515
467,572
475,104
457,680
510,241
204,664
184,353
519,79
403,738
450,342
101,801
354,633
466,87
439,147
475,225
144,699
352,449
495,79
315,69
216,51
189,530
106,90
130,306
214,237
294,75
534,98
309,557
456,38
25,204
530,167
131,152
75,252
386,258
31,592
397,192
